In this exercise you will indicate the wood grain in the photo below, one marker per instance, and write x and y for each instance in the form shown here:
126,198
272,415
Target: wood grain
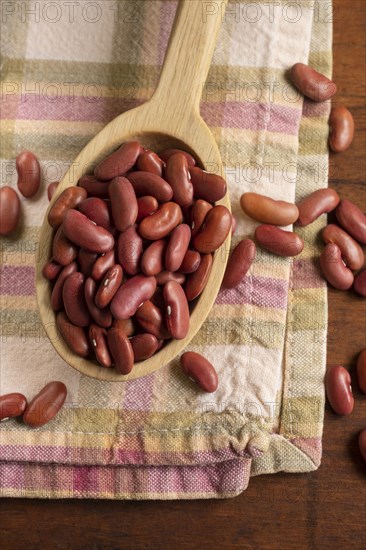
321,510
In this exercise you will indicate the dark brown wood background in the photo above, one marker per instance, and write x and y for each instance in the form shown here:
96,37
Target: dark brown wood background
321,510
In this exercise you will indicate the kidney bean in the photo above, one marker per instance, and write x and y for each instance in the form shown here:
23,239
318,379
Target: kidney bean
131,295
199,211
124,203
150,162
167,153
321,201
120,349
129,250
333,269
165,276
191,261
176,310
45,405
362,443
200,370
361,370
51,188
51,270
86,261
119,162
239,263
12,405
267,210
108,287
339,391
196,282
83,232
234,224
207,186
102,317
98,341
215,229
177,175
63,250
351,251
29,173
9,210
126,325
74,300
177,247
352,219
152,261
360,283
144,346
69,198
73,335
151,319
342,129
146,183
146,205
56,296
312,84
278,241
162,222
94,187
102,264
98,211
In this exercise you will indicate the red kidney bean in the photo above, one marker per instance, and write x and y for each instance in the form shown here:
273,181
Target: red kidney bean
196,282
234,224
267,210
45,405
102,264
339,391
12,405
102,317
351,251
191,261
9,210
207,186
362,443
51,188
56,296
199,211
342,129
124,203
162,222
131,295
333,269
74,300
63,250
29,173
361,370
146,183
119,162
98,211
151,319
129,250
51,270
126,325
86,261
321,201
146,205
177,247
239,263
108,287
69,198
165,276
98,341
152,261
360,283
176,310
177,175
120,349
73,335
215,229
94,187
352,219
312,84
144,346
85,233
167,153
150,162
278,241
200,370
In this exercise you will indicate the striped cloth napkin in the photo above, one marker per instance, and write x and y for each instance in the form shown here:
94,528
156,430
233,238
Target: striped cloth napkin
70,67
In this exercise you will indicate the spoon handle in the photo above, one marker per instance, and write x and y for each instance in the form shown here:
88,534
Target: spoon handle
188,57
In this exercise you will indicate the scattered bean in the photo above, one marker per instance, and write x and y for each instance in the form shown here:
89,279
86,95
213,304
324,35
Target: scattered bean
321,201
12,405
9,210
267,210
333,268
312,84
351,251
342,129
29,173
339,391
361,370
278,241
45,405
352,219
200,370
239,263
360,283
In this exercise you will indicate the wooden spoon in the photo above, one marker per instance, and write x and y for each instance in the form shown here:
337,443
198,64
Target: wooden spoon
169,119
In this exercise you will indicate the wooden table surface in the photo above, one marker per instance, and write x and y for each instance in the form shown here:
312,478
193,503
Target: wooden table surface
320,510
